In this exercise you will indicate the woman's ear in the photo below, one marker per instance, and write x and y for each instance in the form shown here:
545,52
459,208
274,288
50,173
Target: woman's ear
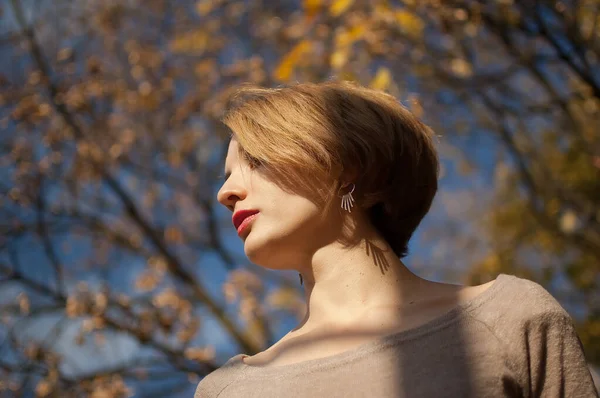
349,176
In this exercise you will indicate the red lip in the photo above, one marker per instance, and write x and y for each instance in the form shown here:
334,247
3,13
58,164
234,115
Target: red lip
239,216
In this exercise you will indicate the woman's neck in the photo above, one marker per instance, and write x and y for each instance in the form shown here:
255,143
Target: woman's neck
346,283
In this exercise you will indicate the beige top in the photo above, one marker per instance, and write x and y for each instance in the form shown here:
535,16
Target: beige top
514,339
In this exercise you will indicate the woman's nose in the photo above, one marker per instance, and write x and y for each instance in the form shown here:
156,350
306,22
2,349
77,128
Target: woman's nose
228,195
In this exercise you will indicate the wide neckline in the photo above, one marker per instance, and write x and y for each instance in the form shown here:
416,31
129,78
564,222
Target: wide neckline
365,348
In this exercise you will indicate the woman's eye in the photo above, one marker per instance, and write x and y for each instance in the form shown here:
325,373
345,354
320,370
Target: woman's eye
252,162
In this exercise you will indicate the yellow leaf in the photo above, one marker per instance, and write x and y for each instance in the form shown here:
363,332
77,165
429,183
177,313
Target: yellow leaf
147,281
415,106
346,38
339,6
201,354
461,67
173,235
382,9
204,7
23,303
553,207
311,7
283,298
167,298
205,67
195,41
491,264
568,221
286,67
349,76
409,22
339,58
357,32
43,388
255,332
382,79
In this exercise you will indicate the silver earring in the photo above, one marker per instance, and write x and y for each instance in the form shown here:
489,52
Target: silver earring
348,200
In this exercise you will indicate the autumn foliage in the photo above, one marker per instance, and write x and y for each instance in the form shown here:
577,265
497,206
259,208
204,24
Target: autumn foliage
110,148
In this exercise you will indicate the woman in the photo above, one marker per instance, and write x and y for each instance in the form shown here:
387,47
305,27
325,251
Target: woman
332,180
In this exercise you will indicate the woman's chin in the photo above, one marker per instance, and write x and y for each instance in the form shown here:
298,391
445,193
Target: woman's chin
251,247
260,252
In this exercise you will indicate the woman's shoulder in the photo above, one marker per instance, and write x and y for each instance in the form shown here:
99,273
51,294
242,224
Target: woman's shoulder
521,301
215,382
540,337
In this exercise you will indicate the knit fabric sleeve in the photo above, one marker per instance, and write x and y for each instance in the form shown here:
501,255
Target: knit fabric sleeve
542,345
556,362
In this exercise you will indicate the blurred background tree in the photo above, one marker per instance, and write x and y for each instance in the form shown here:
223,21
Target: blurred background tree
119,272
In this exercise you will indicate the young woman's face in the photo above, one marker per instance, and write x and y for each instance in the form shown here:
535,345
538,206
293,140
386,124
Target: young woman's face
288,226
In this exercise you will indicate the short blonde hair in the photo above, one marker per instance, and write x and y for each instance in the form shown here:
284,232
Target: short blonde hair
310,133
